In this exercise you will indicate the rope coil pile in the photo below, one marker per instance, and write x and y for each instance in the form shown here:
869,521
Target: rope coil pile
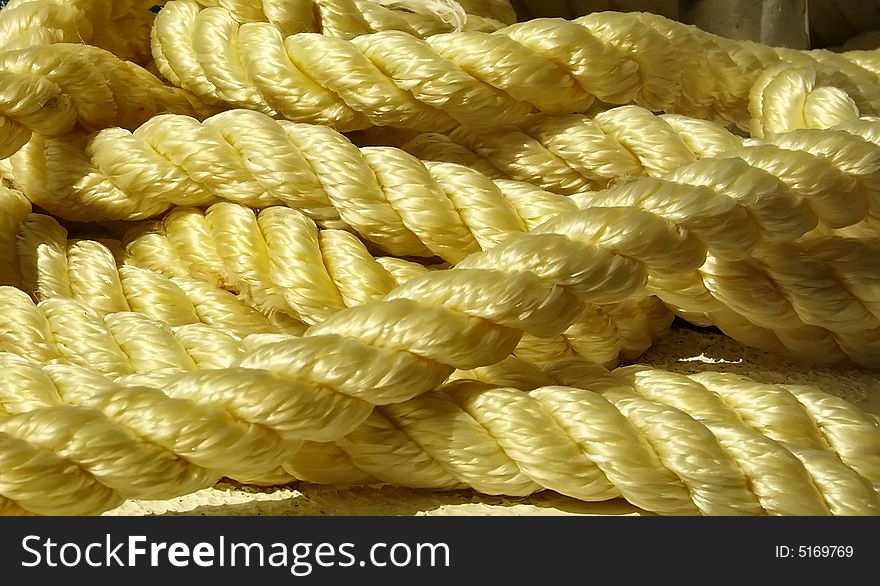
202,277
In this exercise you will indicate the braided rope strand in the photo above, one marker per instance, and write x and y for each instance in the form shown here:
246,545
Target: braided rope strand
349,18
574,154
375,189
39,258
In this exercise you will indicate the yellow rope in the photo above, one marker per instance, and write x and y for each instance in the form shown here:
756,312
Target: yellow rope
731,202
37,257
350,18
602,436
280,262
575,153
49,89
792,223
431,325
119,26
344,19
411,208
817,298
528,9
786,97
474,78
60,330
620,434
439,319
305,273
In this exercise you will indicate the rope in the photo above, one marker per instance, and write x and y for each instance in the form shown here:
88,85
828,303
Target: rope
731,203
427,329
194,403
38,258
786,98
343,19
394,349
49,89
611,435
414,208
608,435
121,27
474,78
528,9
575,153
279,261
65,331
307,274
817,298
350,18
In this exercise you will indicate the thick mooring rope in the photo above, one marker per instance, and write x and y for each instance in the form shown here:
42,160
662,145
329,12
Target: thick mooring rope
151,364
731,202
37,257
541,439
476,78
575,153
607,436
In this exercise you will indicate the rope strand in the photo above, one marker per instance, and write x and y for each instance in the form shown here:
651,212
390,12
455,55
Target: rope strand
615,435
50,89
280,262
480,79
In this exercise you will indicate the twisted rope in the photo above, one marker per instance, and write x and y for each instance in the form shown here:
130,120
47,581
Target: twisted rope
305,273
818,298
72,441
528,9
65,331
608,435
321,386
572,154
731,203
121,27
37,257
281,262
350,18
475,78
411,208
50,89
604,436
785,98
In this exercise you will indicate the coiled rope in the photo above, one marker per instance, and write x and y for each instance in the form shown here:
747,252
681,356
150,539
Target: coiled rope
714,232
731,203
616,434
